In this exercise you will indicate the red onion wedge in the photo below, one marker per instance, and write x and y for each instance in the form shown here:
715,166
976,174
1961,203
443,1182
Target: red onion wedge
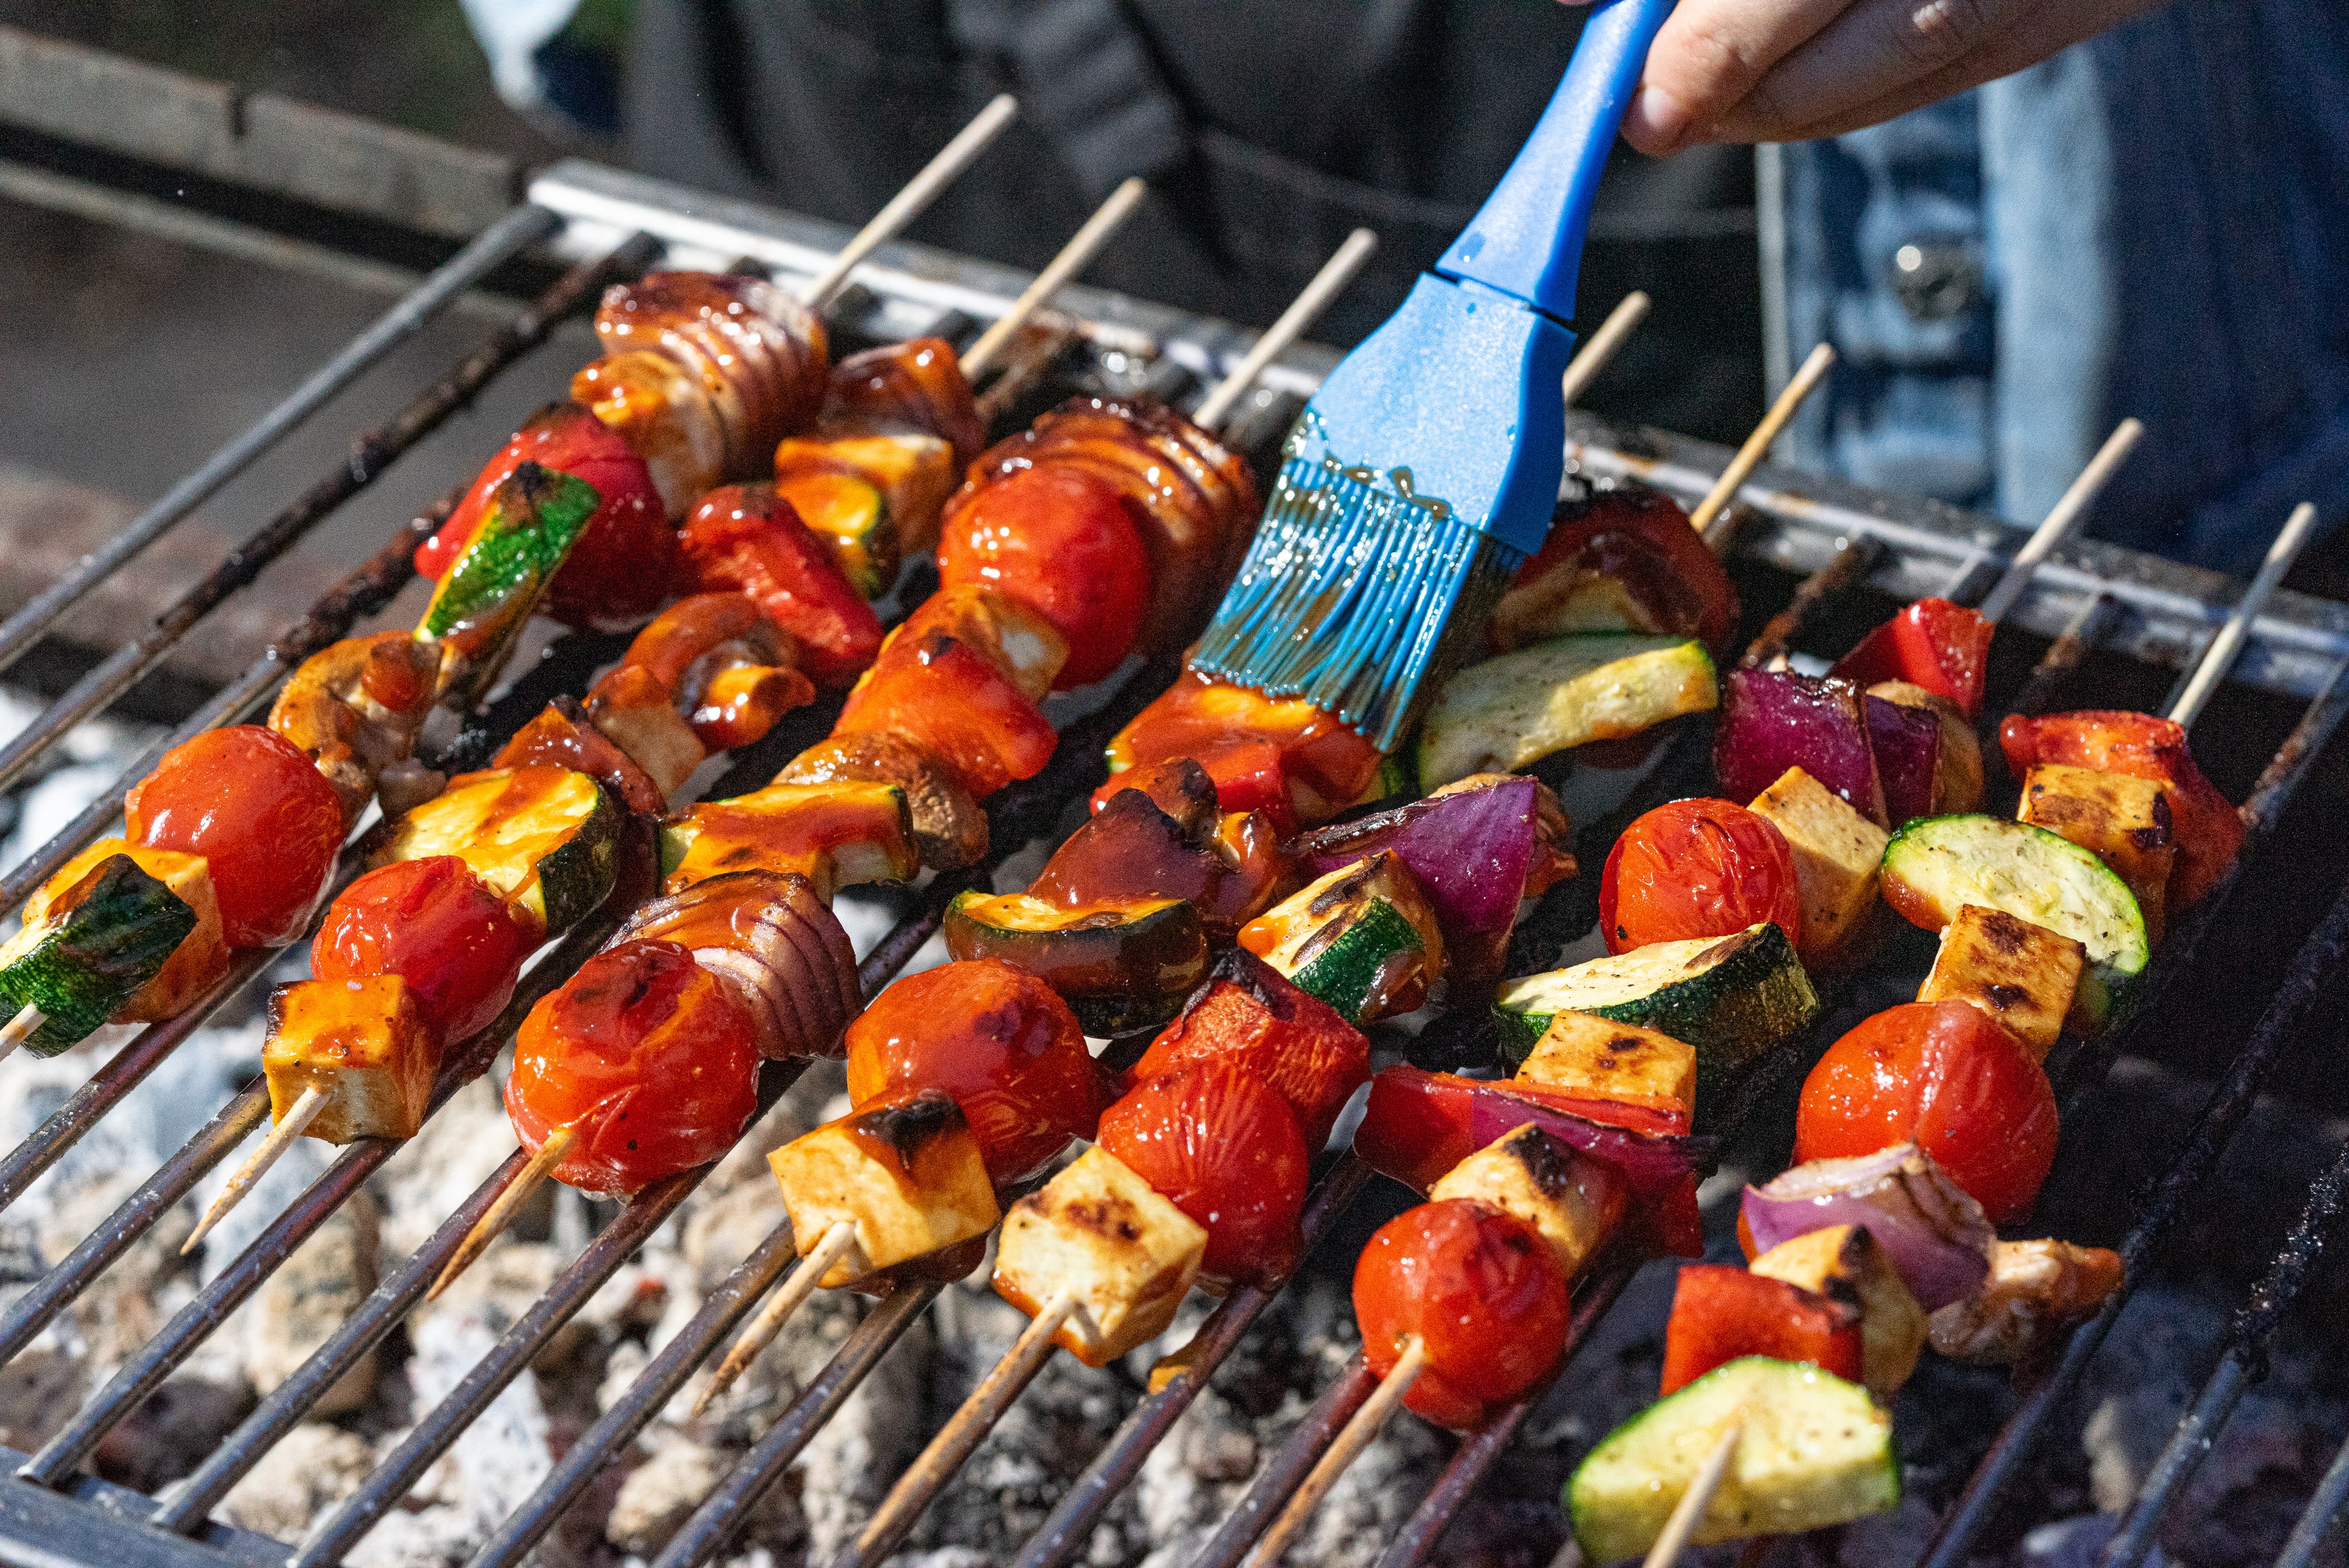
772,940
1937,1236
1775,720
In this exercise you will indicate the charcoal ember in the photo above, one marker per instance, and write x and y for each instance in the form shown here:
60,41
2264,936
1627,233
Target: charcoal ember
171,1432
496,1462
313,1470
847,1468
301,1306
39,1392
661,1494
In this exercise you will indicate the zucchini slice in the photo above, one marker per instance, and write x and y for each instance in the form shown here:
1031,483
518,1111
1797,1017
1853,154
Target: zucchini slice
544,838
95,945
1935,868
1363,939
836,835
1120,965
199,960
532,520
1733,998
1499,716
1816,1452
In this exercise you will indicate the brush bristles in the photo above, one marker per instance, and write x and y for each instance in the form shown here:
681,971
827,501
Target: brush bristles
1355,599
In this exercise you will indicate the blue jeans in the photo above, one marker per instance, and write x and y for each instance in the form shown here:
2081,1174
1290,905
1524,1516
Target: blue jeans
2155,223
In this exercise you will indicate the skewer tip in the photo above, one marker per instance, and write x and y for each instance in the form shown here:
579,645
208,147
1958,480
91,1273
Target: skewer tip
1352,1439
491,1225
293,1125
753,1342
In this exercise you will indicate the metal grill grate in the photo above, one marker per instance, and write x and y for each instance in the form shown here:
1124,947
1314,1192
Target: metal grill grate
612,226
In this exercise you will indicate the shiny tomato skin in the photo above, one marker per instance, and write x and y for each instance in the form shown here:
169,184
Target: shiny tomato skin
437,926
1949,1078
1221,1145
266,822
997,1039
648,1054
1697,869
1060,541
1482,1291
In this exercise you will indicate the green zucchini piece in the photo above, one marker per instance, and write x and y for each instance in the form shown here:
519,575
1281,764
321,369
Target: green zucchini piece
99,943
1815,1451
546,838
1499,716
1937,865
1363,939
533,519
1119,965
1734,998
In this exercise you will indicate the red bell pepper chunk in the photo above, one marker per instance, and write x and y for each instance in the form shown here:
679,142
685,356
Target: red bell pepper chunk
1721,1313
1250,1012
1324,766
746,539
1420,1125
1941,646
1248,775
939,692
2207,826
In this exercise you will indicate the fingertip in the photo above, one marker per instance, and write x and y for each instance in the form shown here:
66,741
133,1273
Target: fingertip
1657,123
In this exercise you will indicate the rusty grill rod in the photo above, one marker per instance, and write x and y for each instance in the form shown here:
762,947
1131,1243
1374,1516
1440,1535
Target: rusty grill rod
2255,1326
484,253
370,456
2320,1520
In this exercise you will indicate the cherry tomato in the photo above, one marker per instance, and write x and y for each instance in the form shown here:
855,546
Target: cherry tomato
1060,540
266,822
1251,1015
995,1038
1947,1077
1697,869
618,570
1482,1292
746,539
649,1056
437,926
1221,1145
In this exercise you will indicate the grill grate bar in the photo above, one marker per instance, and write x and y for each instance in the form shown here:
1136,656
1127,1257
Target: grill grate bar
2213,1130
2253,1329
2320,1521
1291,1463
370,456
493,246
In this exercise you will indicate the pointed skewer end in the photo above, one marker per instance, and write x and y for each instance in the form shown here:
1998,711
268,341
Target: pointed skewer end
491,1225
753,1342
19,1029
293,1125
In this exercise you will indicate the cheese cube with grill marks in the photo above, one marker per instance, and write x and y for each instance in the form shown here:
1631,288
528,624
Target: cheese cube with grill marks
1572,1199
363,1043
1845,1263
1099,1232
1836,854
1599,1059
2125,822
904,1171
2021,974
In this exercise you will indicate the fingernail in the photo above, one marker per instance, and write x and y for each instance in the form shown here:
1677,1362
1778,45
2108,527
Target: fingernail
1659,122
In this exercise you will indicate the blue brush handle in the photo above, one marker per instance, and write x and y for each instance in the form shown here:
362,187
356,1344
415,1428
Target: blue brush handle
1526,239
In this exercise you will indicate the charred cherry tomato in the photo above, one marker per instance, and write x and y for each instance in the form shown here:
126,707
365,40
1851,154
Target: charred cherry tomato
944,696
1323,764
1060,541
997,1039
2207,826
1947,1077
1941,646
437,926
1479,1288
746,539
1697,869
1720,1313
618,571
1221,1145
649,1056
266,822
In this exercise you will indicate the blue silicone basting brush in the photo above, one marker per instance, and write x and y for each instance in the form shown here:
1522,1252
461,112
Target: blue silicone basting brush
1425,469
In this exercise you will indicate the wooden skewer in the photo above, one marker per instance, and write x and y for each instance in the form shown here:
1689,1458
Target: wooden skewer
1335,275
21,1028
1356,1436
964,1432
2220,657
1593,356
2070,508
919,192
1689,1510
294,1123
501,1212
1757,445
830,1248
1074,257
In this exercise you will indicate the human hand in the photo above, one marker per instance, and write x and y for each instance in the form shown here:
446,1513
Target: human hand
1789,70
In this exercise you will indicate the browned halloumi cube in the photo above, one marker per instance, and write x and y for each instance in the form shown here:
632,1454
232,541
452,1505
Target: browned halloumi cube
2021,974
1102,1233
1572,1199
199,960
1836,852
631,706
905,1171
2125,822
363,1043
1582,1053
1844,1262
